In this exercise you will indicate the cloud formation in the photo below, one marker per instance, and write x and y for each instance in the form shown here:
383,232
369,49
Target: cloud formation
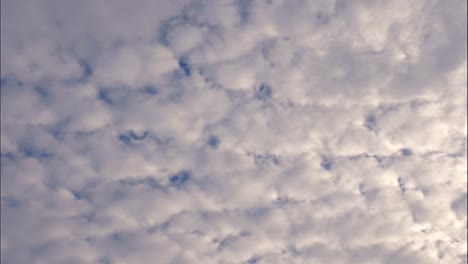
234,131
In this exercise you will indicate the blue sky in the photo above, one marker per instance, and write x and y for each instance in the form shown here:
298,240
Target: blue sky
233,131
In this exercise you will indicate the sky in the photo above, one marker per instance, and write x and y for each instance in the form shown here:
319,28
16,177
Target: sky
233,131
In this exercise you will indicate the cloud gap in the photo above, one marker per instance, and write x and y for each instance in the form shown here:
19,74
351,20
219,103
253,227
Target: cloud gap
213,141
104,96
181,178
151,90
185,67
31,151
327,163
264,92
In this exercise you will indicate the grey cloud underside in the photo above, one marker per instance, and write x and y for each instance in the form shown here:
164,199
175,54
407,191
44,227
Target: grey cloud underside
233,131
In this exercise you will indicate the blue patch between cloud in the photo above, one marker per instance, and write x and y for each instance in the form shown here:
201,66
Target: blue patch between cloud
42,91
243,6
406,152
151,90
33,152
183,64
104,96
80,195
164,31
213,141
125,139
252,260
371,121
401,185
180,178
59,129
326,163
57,133
132,136
87,70
264,92
168,25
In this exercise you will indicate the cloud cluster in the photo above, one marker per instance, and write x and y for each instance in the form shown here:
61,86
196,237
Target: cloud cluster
234,131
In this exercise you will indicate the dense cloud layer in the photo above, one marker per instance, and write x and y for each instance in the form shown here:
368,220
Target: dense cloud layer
241,131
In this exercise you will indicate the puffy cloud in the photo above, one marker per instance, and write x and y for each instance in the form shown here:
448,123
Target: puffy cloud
233,131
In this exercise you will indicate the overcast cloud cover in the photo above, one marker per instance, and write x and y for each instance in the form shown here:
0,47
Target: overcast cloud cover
243,131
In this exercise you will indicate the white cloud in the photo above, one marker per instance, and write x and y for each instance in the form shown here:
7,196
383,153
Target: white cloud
233,132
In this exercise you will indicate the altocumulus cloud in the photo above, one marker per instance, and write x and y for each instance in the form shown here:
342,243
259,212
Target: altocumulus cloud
240,131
